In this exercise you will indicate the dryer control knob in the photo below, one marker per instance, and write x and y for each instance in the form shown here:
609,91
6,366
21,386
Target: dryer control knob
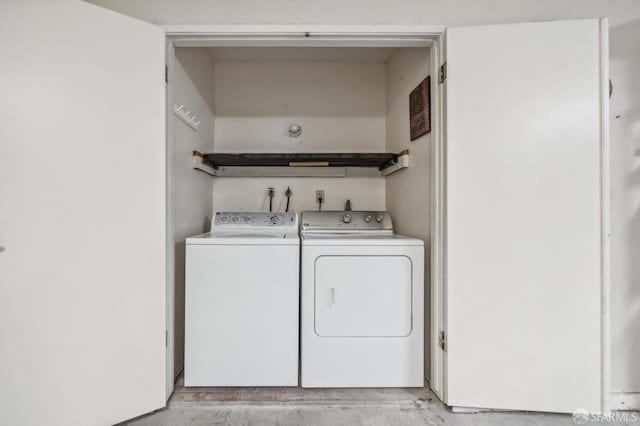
276,220
367,218
379,218
346,218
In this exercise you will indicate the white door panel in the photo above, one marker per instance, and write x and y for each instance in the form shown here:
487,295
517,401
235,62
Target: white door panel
523,213
363,296
82,196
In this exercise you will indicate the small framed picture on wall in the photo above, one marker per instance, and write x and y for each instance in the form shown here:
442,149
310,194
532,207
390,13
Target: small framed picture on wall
420,109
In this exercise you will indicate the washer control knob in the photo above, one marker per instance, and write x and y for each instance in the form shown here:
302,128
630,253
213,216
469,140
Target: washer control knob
224,219
235,219
367,218
379,218
346,218
246,219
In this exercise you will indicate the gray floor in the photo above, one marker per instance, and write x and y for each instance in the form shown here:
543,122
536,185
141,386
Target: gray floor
296,406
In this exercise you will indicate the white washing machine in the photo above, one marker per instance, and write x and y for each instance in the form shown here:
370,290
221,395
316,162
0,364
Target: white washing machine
241,302
362,311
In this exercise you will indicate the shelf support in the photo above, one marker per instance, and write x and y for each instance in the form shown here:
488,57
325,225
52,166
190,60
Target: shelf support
401,163
198,162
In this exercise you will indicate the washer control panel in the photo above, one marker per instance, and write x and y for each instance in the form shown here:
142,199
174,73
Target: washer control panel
254,219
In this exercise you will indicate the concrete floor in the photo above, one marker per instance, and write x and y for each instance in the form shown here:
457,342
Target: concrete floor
296,406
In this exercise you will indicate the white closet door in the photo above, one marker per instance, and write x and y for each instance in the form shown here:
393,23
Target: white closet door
82,215
524,259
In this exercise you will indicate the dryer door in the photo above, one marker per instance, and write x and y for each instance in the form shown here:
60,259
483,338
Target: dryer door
363,296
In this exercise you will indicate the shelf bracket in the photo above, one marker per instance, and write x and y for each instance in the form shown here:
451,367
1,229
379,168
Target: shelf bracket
198,162
401,163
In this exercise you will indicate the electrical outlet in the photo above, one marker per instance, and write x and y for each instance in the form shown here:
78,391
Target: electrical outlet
320,197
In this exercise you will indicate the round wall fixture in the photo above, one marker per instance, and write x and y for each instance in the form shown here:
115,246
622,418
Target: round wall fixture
295,130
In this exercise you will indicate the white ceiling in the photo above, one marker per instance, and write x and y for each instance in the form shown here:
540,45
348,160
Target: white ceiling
302,54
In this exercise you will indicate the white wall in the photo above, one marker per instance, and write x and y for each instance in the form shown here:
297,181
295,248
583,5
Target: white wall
408,191
191,190
250,194
341,107
624,18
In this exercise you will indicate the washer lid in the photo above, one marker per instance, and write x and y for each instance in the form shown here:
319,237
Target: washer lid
248,239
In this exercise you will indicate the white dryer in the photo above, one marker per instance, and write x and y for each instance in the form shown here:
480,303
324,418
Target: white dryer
362,309
241,302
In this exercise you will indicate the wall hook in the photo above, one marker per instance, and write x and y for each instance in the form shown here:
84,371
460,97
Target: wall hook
188,118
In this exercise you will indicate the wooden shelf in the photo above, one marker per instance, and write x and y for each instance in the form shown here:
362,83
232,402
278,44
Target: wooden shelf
379,160
299,164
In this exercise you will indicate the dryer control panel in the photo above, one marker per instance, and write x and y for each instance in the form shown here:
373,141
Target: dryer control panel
350,222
